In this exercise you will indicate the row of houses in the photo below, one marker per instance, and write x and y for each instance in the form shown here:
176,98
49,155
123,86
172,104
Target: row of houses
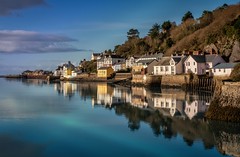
155,64
212,65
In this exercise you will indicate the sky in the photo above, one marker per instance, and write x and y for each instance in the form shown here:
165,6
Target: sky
42,34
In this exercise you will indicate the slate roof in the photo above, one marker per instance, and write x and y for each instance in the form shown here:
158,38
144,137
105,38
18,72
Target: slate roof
210,58
164,61
176,59
146,62
104,68
158,55
225,66
199,58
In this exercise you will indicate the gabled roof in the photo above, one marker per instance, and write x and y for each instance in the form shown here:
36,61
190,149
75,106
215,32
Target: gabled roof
225,66
210,58
199,58
96,54
164,61
69,65
146,61
104,68
113,56
176,59
156,55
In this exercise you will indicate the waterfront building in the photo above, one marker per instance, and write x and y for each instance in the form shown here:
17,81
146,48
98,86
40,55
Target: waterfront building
223,69
105,72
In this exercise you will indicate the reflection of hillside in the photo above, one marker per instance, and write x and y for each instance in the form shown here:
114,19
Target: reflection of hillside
227,137
166,126
36,82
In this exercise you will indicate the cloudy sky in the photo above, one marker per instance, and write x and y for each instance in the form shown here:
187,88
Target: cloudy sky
41,34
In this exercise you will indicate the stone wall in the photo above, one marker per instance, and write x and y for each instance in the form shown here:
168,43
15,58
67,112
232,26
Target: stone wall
175,80
231,92
153,80
226,102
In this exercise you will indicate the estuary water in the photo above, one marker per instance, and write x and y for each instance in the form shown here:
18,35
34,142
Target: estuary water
38,119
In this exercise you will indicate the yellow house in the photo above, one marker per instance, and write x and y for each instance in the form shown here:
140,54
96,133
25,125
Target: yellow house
105,72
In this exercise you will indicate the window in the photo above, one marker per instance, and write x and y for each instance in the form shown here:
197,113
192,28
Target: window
162,104
161,68
219,70
167,104
166,68
195,70
193,63
224,70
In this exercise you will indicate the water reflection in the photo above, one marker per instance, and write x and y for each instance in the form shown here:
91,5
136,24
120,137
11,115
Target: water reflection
168,112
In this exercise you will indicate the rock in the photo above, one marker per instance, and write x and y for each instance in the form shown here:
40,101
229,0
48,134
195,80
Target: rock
235,56
211,49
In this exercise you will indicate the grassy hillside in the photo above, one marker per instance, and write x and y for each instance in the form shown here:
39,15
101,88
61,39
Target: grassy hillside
220,27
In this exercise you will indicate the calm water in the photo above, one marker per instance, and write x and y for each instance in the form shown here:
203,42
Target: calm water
89,119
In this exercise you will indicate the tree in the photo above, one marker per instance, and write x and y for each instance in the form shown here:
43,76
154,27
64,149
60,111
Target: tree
154,31
166,26
187,15
133,33
169,42
206,19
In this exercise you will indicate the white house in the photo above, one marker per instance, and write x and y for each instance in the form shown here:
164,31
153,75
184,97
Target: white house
213,60
118,66
195,64
223,69
130,61
109,60
163,67
100,63
177,64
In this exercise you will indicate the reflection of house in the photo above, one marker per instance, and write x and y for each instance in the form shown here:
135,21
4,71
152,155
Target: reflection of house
167,102
195,107
66,88
108,95
139,98
223,69
104,94
105,72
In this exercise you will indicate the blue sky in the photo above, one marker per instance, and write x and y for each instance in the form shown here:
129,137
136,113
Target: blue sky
41,34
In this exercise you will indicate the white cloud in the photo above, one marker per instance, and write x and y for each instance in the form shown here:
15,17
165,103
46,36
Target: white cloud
21,41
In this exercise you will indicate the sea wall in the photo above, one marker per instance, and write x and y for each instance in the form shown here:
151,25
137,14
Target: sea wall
226,102
175,80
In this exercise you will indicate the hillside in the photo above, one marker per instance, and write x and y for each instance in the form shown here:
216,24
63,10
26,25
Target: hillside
218,29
